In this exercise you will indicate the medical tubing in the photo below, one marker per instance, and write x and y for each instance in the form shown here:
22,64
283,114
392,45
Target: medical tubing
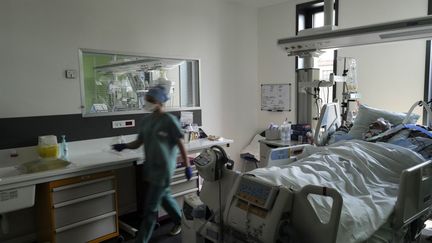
318,98
220,213
208,220
425,106
219,168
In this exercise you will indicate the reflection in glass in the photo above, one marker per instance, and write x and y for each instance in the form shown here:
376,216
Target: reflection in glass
117,82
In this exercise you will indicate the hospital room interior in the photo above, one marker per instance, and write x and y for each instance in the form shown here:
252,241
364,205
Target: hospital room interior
215,121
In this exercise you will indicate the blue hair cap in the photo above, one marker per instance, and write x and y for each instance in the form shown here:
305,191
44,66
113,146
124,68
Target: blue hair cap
159,93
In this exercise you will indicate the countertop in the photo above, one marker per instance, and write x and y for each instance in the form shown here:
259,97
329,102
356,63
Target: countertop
106,159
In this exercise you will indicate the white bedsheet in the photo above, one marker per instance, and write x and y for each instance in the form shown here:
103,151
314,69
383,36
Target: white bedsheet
366,174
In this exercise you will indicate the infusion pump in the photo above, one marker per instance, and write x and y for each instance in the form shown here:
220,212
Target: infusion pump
210,163
256,209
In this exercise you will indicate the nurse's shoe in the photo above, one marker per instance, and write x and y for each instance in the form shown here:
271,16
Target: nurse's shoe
175,230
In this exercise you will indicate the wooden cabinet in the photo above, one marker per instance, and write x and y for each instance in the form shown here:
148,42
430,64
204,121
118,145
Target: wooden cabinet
78,209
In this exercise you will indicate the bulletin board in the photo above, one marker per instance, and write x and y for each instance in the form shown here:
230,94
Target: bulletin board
276,97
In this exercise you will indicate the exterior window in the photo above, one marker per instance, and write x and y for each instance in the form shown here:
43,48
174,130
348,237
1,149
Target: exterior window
318,19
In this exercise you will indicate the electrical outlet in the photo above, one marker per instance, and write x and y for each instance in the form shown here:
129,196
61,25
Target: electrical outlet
70,74
123,124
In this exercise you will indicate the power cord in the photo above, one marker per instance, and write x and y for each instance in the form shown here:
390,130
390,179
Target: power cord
220,214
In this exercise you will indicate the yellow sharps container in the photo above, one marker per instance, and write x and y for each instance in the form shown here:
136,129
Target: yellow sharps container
48,147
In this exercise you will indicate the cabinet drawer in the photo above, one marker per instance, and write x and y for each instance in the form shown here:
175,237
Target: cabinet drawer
73,211
82,189
187,185
92,229
180,171
181,177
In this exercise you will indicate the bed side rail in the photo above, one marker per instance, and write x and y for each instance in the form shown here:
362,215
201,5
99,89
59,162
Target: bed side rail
285,155
305,221
415,194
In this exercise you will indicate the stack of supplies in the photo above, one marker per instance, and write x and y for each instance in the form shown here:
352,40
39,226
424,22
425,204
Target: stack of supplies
300,131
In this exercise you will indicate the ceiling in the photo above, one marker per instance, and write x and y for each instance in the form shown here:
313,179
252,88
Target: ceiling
258,3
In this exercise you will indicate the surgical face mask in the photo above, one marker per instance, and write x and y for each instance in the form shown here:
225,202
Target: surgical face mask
150,106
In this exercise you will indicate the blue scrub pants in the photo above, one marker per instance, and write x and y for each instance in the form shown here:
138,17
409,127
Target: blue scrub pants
155,196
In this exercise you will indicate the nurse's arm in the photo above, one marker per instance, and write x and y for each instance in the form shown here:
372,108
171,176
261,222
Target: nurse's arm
134,144
183,152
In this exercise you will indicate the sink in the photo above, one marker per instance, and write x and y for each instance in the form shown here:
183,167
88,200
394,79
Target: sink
41,165
24,196
17,198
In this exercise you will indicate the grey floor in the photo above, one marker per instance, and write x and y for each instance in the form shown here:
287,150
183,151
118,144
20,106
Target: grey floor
160,235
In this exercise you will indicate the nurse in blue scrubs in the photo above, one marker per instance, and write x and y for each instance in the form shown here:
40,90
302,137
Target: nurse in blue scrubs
162,136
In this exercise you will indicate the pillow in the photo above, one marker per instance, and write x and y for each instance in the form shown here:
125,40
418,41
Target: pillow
366,115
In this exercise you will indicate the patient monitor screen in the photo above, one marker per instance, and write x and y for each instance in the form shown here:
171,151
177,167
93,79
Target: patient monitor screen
256,193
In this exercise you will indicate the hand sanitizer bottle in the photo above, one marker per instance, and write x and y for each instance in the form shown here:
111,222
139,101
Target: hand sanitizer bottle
64,148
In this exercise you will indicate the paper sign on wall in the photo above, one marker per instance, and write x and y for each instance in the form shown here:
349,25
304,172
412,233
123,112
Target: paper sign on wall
276,97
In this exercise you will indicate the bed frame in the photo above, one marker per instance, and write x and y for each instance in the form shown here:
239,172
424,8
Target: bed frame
415,195
414,200
413,203
303,225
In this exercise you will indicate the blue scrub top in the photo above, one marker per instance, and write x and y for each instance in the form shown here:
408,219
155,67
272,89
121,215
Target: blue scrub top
160,133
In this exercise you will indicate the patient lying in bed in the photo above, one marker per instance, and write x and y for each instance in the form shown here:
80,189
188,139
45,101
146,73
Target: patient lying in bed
375,125
367,175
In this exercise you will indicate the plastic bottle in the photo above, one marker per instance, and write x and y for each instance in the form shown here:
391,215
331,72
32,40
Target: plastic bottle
285,131
64,151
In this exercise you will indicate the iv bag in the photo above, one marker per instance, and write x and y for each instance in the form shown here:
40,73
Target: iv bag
347,67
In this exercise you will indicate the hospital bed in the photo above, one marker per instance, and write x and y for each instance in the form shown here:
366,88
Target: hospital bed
252,208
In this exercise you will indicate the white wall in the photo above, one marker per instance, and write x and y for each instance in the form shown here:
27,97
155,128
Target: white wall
275,22
390,76
40,39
